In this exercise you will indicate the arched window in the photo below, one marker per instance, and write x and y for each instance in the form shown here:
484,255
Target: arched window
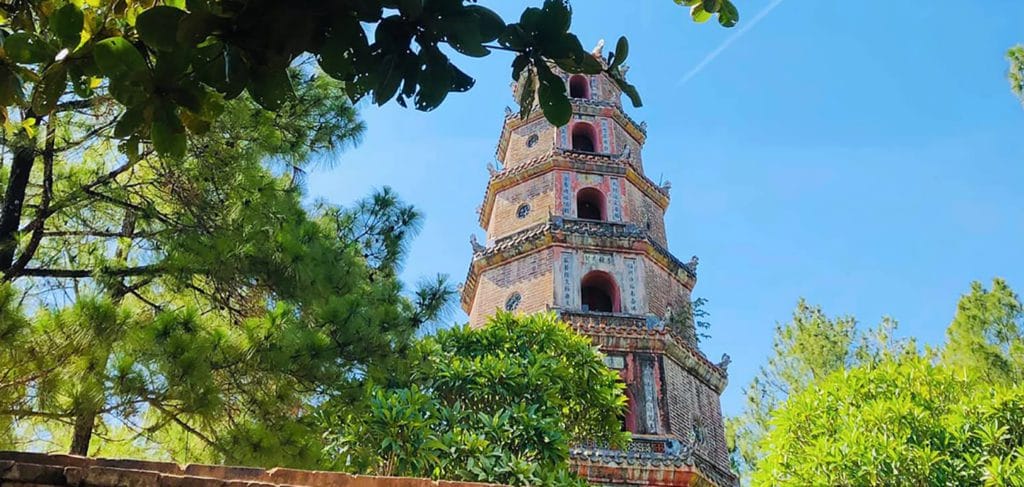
598,292
579,87
583,137
590,204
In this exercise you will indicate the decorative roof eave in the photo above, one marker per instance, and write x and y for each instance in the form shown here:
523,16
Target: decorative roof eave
598,107
590,107
557,159
579,234
615,467
638,336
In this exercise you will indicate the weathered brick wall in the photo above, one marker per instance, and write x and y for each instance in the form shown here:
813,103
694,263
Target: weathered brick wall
530,276
692,403
519,152
623,139
645,213
19,469
538,192
663,290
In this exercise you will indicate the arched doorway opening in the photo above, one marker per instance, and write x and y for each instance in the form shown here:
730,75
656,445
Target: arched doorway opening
579,87
583,137
598,292
590,204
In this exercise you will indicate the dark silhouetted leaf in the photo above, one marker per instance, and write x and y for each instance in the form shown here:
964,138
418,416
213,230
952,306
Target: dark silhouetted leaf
27,48
67,23
158,27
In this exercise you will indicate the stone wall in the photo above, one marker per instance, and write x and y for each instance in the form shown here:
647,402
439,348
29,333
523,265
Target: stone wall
19,469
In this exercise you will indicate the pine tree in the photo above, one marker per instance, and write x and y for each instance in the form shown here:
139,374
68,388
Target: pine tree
194,305
986,337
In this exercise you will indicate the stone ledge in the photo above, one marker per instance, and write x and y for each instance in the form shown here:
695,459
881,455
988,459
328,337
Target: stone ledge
44,470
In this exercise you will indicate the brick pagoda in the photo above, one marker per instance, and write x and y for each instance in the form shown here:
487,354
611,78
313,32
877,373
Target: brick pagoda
575,226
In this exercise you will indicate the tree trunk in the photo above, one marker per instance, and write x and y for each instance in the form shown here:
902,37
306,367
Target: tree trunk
86,420
84,424
14,199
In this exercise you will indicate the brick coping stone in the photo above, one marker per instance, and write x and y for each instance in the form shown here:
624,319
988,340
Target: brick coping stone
22,469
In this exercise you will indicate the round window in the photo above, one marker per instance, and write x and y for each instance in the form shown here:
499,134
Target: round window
513,302
532,140
523,210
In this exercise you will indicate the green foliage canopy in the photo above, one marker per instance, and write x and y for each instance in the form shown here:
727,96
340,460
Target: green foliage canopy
805,350
1016,74
196,306
168,62
986,337
499,404
900,422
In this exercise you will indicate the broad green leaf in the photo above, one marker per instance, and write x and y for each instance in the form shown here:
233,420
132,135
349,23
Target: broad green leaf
118,58
10,87
491,24
223,68
27,48
436,80
67,23
158,27
168,133
553,101
271,87
698,14
389,76
728,15
527,92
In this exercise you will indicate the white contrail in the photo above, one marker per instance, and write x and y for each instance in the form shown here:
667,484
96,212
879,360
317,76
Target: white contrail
744,27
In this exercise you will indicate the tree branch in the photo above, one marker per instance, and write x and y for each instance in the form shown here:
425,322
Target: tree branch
146,270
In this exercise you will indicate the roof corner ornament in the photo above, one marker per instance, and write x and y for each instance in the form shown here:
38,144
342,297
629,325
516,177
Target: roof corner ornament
724,363
693,263
491,169
598,48
643,126
666,186
508,111
477,248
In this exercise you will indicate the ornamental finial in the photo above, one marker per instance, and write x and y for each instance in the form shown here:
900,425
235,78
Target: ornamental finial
598,48
476,243
724,363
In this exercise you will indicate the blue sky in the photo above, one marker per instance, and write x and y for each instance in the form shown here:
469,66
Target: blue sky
867,156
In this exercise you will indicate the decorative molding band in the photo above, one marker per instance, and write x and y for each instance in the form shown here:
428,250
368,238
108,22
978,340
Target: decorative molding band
559,159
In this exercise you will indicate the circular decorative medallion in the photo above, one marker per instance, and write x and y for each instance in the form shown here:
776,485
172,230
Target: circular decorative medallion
513,302
532,140
523,210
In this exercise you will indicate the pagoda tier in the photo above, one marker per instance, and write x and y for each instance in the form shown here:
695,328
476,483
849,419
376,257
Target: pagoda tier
574,226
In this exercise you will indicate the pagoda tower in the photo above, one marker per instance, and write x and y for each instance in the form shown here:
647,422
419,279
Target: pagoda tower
575,226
